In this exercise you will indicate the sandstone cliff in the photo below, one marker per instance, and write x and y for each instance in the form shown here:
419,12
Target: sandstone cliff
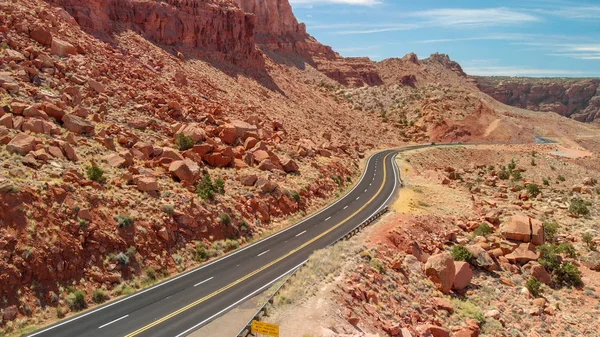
575,98
277,30
215,28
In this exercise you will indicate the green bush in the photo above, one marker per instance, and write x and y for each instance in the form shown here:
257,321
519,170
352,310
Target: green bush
561,178
461,253
183,142
588,239
516,175
533,162
546,182
296,196
201,252
563,273
169,209
503,174
124,221
95,173
99,296
550,230
83,224
206,189
151,273
224,218
122,258
534,286
578,207
60,312
533,190
378,265
512,165
483,230
76,301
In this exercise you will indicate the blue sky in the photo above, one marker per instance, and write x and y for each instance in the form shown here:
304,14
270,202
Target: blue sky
512,38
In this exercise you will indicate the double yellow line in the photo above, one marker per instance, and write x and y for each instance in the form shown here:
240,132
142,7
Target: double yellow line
217,292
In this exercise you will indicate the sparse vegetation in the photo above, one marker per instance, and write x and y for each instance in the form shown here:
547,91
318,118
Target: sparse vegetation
124,221
461,253
95,173
550,230
533,190
183,142
378,265
76,301
168,209
483,230
561,178
578,207
206,188
122,258
534,286
99,296
467,309
224,218
588,240
564,273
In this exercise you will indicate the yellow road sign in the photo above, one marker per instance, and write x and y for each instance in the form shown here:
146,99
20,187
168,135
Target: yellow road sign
265,328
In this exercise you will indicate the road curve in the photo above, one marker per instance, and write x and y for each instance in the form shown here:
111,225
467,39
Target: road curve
180,305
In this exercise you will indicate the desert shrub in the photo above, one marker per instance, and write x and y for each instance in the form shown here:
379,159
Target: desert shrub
516,175
378,265
83,224
169,209
533,190
95,173
561,178
466,309
461,253
201,252
244,226
588,239
122,258
550,230
337,179
219,186
99,296
151,273
578,207
231,244
224,218
76,301
533,162
124,221
534,286
483,230
183,142
296,196
60,312
503,174
563,273
512,165
207,189
546,182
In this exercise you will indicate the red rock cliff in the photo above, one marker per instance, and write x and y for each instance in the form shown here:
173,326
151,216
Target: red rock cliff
278,30
217,28
575,98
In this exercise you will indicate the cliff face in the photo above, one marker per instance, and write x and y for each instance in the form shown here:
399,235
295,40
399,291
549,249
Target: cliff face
278,30
575,98
211,27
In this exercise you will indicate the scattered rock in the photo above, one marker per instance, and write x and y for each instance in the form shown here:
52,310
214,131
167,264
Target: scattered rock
185,170
462,276
440,270
78,125
22,144
146,184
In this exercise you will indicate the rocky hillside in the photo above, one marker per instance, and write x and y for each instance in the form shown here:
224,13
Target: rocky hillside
574,98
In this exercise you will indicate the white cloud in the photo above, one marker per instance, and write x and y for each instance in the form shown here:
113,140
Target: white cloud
521,71
474,17
573,12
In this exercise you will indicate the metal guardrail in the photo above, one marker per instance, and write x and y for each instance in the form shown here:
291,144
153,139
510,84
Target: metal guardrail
262,312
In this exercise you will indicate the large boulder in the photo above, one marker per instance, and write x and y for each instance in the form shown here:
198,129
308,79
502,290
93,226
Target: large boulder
523,228
533,268
41,35
22,144
217,159
78,125
524,253
62,48
462,275
289,165
482,258
440,270
194,131
185,170
146,184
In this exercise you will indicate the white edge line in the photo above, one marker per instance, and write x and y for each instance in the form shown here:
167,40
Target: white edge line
210,263
297,235
199,283
111,322
263,253
238,302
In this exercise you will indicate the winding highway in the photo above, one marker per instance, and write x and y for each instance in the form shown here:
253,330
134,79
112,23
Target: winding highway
182,304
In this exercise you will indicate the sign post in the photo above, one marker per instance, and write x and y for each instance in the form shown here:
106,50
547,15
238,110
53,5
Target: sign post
265,328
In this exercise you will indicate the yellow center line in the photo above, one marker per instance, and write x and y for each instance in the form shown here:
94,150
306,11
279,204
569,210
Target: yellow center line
203,299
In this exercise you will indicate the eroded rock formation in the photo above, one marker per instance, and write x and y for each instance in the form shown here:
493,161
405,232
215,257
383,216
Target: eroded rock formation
575,98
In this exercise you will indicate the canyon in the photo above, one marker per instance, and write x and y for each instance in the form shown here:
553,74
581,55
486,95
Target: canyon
139,139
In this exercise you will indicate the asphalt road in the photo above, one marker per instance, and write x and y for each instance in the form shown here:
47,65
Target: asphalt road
185,303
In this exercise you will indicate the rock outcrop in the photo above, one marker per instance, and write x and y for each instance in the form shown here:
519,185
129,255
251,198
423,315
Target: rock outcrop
578,99
214,28
277,30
